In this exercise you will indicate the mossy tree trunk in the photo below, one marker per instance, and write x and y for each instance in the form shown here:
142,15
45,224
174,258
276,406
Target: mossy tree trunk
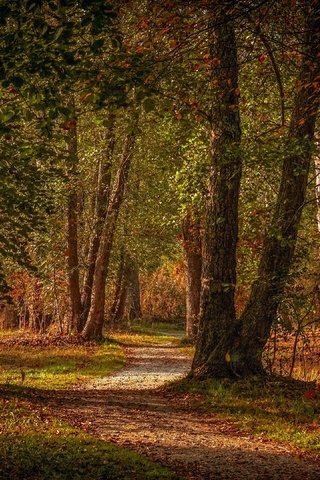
217,309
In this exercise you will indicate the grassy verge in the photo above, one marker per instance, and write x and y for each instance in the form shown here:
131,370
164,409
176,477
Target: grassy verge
143,338
276,408
157,328
36,364
35,446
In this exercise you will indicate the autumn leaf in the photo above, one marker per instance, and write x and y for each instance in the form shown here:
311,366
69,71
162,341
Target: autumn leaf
310,394
86,96
173,44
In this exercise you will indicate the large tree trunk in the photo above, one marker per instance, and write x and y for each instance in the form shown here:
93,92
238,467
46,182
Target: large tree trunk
280,242
101,205
94,325
217,309
191,233
72,228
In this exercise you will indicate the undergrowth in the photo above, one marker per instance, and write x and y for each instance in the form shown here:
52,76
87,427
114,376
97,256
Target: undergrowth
276,408
38,365
36,446
142,338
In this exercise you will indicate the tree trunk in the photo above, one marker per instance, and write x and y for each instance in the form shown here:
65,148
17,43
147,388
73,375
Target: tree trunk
280,242
72,228
134,302
94,325
120,295
317,174
127,291
217,308
101,205
193,257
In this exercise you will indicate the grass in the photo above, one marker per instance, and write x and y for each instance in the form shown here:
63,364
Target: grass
57,367
274,408
158,328
35,446
142,338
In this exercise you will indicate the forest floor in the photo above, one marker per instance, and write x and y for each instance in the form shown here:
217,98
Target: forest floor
134,407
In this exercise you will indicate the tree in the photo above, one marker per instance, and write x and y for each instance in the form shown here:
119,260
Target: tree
94,325
235,347
217,310
280,242
191,232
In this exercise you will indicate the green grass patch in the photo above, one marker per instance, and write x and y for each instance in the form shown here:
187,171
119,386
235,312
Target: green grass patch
142,338
152,328
59,452
274,408
34,445
50,366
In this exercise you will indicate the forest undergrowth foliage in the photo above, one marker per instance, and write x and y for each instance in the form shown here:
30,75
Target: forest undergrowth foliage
280,409
34,444
38,361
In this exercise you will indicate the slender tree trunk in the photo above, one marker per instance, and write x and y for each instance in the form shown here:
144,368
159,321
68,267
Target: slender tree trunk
127,291
217,309
317,286
120,295
193,258
135,310
94,325
72,228
101,205
121,306
118,285
317,173
280,242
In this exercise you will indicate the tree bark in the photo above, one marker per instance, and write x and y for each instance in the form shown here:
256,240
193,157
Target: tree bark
120,295
217,308
317,192
101,205
191,233
134,302
94,325
280,242
317,173
72,226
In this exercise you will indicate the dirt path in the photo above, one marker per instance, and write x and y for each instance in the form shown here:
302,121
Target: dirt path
129,409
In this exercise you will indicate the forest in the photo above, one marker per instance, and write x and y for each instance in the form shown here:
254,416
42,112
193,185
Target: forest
159,239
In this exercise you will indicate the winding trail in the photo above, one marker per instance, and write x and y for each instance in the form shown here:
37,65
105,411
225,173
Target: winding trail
131,408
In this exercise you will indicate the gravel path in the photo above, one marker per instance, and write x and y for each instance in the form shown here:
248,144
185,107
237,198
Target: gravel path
129,409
